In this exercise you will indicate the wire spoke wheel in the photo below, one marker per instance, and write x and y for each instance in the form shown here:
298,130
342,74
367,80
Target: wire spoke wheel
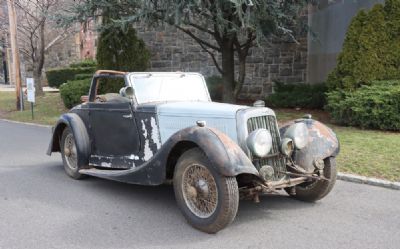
70,155
70,152
199,190
208,200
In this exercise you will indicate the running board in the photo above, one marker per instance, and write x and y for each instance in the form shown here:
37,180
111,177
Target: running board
143,175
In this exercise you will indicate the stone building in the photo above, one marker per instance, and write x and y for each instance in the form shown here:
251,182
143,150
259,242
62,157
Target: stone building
310,60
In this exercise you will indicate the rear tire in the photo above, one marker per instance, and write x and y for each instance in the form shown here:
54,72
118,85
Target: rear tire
69,155
317,190
208,200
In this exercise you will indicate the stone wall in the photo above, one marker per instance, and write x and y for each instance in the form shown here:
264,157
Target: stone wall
273,61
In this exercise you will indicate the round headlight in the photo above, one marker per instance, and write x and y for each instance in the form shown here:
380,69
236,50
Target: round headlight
259,142
287,146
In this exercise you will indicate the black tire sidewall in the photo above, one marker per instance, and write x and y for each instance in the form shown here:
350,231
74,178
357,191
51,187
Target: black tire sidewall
70,172
188,158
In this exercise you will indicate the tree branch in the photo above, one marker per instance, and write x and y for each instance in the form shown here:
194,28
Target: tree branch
200,41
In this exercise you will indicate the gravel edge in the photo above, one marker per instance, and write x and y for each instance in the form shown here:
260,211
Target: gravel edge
368,180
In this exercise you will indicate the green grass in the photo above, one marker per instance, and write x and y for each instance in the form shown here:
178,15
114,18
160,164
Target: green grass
363,152
47,109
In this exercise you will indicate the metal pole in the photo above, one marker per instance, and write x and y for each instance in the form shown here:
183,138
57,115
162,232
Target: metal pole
15,53
32,109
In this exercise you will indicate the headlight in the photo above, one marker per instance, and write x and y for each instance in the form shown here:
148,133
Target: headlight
298,132
259,142
287,146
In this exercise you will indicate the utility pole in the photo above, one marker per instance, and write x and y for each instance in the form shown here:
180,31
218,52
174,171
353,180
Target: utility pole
12,19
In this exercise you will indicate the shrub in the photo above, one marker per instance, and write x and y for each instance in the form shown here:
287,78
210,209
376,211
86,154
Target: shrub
84,63
83,76
376,106
298,95
72,91
121,50
371,50
56,77
215,87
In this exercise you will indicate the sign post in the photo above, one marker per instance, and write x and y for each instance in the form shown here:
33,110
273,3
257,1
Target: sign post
30,89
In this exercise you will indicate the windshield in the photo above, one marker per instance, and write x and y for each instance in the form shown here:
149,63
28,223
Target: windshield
152,87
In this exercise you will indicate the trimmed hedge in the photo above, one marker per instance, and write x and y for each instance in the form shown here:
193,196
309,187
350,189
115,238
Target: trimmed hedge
72,91
84,63
56,77
298,95
83,76
376,106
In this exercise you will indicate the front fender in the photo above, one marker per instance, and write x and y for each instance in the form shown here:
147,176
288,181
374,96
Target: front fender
322,143
75,123
224,154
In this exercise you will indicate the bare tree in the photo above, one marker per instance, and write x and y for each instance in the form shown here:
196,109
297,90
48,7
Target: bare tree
38,33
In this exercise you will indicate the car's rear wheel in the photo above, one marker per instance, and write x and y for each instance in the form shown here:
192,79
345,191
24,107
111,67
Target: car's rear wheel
69,154
316,190
208,200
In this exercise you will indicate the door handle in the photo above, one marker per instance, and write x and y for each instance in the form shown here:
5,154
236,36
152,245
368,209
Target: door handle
127,116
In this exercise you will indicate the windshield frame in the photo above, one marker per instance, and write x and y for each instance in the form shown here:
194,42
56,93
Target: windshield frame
131,77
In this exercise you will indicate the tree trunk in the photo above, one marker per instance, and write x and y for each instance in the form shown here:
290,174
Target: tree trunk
228,70
39,62
37,77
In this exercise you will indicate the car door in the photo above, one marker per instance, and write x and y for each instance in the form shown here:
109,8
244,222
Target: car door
113,129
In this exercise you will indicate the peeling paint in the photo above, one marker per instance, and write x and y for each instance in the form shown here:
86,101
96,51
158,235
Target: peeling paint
104,164
147,151
155,134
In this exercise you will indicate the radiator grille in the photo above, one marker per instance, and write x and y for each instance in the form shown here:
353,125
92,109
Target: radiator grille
274,158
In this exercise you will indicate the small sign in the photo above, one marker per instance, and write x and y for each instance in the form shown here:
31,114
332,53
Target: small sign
30,87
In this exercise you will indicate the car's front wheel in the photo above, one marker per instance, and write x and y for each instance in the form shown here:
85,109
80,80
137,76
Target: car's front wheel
208,200
69,154
316,190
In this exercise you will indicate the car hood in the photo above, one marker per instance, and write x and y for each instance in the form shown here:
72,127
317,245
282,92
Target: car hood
199,109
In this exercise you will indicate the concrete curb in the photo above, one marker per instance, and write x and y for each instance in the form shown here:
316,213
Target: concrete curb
368,180
25,123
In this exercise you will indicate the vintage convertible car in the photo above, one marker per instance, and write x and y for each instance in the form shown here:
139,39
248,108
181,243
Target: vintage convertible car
163,127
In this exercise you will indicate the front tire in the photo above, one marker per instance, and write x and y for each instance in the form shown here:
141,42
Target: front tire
69,154
208,200
317,190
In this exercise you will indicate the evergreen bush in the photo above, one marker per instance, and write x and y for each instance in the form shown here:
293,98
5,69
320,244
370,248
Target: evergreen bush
311,96
120,50
371,50
72,91
58,76
376,106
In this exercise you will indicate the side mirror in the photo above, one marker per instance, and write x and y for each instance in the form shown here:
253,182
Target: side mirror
127,92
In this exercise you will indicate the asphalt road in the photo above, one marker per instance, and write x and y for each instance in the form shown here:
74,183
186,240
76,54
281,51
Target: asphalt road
40,207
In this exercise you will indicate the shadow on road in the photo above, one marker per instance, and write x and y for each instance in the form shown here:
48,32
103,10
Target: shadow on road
94,206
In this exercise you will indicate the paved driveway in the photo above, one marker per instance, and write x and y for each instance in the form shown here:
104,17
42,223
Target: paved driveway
40,207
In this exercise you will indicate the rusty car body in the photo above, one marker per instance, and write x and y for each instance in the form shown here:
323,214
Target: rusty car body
163,127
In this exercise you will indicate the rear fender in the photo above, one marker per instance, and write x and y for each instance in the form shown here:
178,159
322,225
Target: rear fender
75,123
322,143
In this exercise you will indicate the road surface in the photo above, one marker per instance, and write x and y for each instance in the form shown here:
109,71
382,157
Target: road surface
40,207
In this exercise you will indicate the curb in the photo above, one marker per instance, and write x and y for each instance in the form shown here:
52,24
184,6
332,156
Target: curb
25,123
368,180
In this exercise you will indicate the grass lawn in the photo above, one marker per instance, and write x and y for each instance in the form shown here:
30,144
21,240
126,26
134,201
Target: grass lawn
47,109
363,152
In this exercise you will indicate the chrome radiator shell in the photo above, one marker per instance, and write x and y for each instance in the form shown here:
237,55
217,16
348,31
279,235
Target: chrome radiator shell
255,118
